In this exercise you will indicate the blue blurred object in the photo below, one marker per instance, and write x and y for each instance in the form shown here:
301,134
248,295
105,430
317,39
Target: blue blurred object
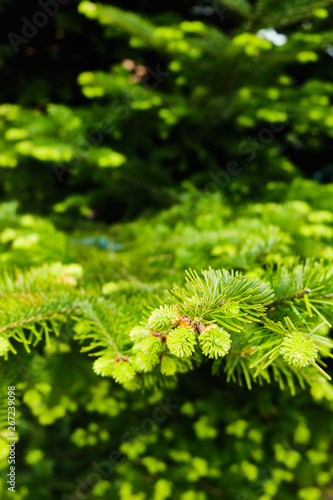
99,241
323,172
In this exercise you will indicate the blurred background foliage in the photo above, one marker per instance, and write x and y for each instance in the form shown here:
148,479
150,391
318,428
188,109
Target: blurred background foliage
108,108
139,139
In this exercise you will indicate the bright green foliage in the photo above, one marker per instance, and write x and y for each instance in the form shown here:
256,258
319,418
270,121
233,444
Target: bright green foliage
254,311
276,326
181,341
104,366
143,362
224,93
230,309
268,324
149,346
27,240
4,346
123,372
163,318
34,304
168,366
214,342
299,350
139,333
185,354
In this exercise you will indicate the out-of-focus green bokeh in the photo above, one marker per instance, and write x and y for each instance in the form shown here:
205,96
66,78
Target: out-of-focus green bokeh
108,109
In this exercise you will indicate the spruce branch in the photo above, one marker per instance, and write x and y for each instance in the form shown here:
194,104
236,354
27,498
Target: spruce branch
34,304
258,330
242,7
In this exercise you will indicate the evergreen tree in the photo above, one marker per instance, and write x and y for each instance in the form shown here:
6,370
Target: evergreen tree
200,348
256,75
185,354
